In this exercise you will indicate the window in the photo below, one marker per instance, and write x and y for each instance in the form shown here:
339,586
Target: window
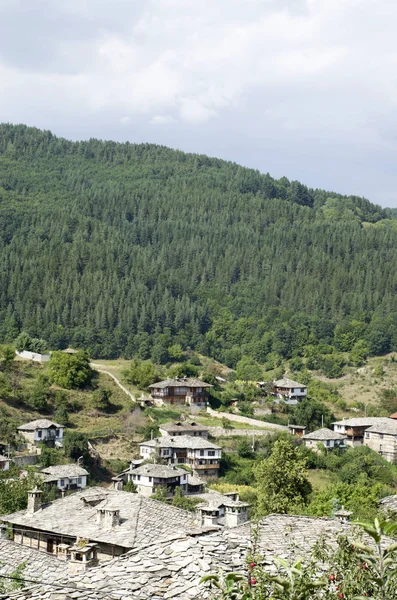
381,436
62,483
79,480
201,452
56,432
39,434
211,452
150,479
302,390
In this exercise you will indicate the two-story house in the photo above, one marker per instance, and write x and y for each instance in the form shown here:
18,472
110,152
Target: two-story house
184,428
183,391
42,430
148,477
382,437
287,389
356,427
65,477
200,454
328,438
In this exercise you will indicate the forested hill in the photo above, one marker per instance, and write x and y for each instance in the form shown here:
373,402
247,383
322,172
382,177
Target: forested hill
128,249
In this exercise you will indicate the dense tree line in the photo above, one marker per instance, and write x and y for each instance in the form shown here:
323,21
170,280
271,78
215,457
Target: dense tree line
125,249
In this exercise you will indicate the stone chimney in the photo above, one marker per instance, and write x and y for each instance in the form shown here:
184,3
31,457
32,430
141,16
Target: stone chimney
236,515
108,517
34,500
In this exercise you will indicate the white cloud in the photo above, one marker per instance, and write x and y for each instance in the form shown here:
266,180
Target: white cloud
125,120
161,120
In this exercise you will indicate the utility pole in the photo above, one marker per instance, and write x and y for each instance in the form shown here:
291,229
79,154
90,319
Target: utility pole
322,420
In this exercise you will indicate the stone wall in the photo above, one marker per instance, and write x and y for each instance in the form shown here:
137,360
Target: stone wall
221,432
25,459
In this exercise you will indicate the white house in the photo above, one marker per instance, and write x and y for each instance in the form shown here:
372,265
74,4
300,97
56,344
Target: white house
65,477
329,439
288,389
200,454
149,476
33,356
356,427
42,430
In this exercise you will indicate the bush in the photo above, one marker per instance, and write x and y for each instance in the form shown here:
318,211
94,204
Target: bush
142,373
71,371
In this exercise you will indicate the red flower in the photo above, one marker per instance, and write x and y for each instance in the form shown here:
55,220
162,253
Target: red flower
365,566
331,577
252,565
253,581
340,596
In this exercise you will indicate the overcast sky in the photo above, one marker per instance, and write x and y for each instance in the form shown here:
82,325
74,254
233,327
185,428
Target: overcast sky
301,88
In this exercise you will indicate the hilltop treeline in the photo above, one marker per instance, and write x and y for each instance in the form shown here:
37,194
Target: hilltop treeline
127,249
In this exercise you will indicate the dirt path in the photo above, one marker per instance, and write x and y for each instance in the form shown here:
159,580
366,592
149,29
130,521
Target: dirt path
100,369
247,420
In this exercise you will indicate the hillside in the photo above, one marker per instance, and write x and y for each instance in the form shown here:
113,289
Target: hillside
129,249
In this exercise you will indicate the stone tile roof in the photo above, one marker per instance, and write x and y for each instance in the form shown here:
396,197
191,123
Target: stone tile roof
163,471
182,426
324,434
63,471
214,500
389,427
39,565
173,569
181,441
180,382
142,520
288,383
39,424
389,503
362,421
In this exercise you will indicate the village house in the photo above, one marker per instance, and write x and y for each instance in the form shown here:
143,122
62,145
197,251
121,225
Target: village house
65,477
114,521
184,428
298,430
382,438
287,389
148,477
173,569
356,427
42,431
180,392
222,509
328,438
200,454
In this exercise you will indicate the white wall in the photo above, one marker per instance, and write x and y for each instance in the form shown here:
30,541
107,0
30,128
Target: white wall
33,356
45,435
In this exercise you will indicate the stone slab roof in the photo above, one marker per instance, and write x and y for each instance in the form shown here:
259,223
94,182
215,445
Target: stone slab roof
288,383
362,421
324,434
180,382
63,471
39,424
181,441
183,426
39,565
173,569
389,503
142,520
388,427
214,500
163,471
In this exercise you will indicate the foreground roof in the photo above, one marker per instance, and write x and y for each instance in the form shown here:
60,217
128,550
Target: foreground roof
288,383
362,421
39,424
389,503
183,426
142,520
180,441
63,471
180,382
38,565
173,569
324,434
163,471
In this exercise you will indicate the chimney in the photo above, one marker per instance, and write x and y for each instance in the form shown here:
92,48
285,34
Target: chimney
108,517
34,501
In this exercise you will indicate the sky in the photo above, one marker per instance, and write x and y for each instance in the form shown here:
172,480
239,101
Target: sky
305,89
